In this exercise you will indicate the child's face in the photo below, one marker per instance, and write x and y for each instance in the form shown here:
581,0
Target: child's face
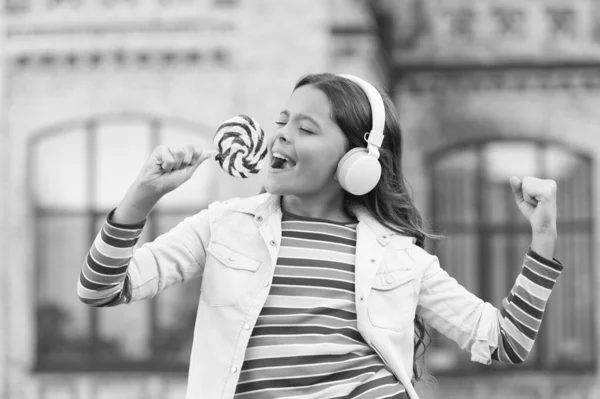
312,144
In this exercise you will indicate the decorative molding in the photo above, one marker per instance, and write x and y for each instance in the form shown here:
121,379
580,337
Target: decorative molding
218,57
491,30
99,17
509,22
556,78
25,7
146,27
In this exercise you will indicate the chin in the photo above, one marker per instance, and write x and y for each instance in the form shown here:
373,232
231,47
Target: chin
273,188
277,190
281,188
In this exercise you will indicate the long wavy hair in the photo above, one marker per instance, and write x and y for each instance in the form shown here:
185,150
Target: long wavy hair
389,202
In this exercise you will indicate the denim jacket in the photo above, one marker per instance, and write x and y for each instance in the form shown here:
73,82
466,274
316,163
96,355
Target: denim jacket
233,247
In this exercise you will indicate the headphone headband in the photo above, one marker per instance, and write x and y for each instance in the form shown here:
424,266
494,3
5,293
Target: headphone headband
377,113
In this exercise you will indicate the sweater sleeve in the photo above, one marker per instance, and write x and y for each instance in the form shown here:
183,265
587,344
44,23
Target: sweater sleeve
103,280
505,334
523,309
116,272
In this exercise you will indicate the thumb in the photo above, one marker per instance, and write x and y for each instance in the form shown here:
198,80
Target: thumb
198,158
517,187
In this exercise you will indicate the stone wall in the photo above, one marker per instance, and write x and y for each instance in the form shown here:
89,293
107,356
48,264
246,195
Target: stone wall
449,107
199,61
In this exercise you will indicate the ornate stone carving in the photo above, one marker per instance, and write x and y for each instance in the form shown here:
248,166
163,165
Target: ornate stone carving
436,31
461,23
561,21
509,21
17,6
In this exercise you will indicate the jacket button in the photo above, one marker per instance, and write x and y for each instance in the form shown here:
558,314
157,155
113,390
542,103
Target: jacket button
231,258
259,219
234,369
247,326
273,243
266,284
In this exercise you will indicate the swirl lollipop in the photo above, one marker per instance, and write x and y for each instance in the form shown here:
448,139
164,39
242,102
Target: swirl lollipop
241,146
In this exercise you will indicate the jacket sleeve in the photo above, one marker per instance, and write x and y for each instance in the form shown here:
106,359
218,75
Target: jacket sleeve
115,272
488,333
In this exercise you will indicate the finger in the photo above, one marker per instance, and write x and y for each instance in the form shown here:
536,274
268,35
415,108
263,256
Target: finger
187,155
197,160
201,156
212,153
530,190
178,155
517,188
164,158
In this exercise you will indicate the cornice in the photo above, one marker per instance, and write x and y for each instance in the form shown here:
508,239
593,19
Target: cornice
156,58
50,31
552,77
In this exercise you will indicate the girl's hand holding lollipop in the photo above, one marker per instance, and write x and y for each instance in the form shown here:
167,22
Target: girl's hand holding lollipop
242,149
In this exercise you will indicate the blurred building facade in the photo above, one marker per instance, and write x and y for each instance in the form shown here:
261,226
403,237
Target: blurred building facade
485,90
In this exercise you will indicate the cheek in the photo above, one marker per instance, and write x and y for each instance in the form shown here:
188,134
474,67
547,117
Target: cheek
321,161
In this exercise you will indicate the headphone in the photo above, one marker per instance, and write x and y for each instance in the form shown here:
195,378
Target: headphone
359,169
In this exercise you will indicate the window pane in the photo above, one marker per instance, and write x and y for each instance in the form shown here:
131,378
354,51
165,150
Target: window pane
560,163
499,257
122,149
63,319
60,174
126,327
500,208
454,189
570,310
575,207
458,256
506,159
179,134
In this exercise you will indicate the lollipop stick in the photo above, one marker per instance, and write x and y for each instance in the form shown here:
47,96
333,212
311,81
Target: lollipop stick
213,153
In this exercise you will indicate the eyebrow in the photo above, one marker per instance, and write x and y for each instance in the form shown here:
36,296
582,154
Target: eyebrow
301,117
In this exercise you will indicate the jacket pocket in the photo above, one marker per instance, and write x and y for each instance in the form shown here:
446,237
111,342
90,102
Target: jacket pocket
228,275
392,300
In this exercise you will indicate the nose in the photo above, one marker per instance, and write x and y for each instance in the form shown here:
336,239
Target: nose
283,135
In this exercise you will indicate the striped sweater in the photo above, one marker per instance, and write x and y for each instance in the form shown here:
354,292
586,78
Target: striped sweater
103,282
306,342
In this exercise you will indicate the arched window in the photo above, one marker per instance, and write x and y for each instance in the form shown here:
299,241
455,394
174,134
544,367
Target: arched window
487,237
79,171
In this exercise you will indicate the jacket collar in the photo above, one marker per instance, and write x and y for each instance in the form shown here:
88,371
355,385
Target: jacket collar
264,205
260,205
383,233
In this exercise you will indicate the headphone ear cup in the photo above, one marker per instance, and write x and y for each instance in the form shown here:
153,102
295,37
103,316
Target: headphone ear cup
358,172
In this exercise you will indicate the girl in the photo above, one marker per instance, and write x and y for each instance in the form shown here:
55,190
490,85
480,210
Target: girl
317,288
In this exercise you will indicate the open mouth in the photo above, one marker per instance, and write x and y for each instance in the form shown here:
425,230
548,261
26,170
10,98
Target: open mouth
281,161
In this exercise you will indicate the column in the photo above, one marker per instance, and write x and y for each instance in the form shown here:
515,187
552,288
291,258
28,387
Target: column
3,212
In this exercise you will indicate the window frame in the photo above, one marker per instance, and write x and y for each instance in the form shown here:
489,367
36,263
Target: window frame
92,213
485,230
